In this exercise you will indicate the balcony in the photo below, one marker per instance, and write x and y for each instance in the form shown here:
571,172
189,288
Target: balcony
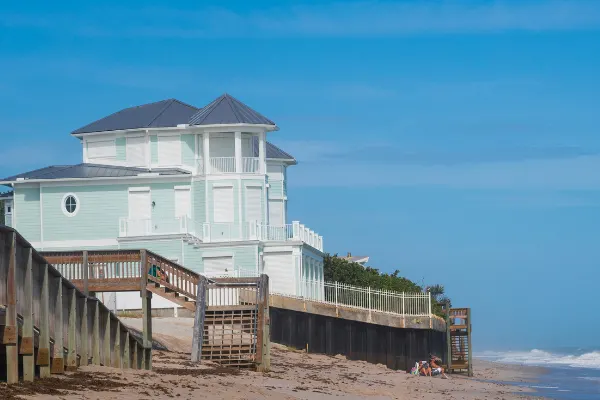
213,232
227,165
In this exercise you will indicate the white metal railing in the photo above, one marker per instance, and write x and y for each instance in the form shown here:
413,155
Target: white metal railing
294,231
273,232
250,164
149,226
387,301
222,164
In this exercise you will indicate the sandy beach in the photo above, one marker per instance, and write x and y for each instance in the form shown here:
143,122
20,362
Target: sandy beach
294,375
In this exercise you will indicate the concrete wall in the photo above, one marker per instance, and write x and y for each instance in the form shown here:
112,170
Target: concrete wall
397,348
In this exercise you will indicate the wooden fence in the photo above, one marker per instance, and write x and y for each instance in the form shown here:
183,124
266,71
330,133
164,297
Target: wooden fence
48,325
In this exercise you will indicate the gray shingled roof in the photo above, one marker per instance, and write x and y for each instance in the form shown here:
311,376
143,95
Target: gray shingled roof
90,171
6,195
228,110
164,113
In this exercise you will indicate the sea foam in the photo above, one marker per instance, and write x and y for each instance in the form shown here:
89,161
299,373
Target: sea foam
541,357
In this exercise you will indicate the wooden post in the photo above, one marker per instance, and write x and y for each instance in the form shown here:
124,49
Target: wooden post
85,331
135,357
72,334
469,332
146,311
27,334
107,347
58,362
86,273
199,317
11,334
43,358
127,351
117,348
263,339
96,332
448,339
147,331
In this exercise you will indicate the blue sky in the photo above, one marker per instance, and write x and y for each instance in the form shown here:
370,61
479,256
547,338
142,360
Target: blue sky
455,141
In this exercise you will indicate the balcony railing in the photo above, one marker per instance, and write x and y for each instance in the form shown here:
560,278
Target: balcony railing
222,165
250,165
227,165
208,232
146,227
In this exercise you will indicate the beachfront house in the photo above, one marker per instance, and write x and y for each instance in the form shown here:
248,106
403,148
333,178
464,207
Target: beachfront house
200,186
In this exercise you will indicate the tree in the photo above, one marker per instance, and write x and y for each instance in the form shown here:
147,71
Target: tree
2,219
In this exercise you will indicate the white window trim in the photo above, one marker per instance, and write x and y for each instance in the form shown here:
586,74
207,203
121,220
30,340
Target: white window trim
210,254
183,187
140,189
64,208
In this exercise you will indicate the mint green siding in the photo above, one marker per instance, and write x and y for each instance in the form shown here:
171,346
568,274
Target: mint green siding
26,212
275,189
100,207
188,148
121,144
236,206
154,149
168,248
199,201
285,182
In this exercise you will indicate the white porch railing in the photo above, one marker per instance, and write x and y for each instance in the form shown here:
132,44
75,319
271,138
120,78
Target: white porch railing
294,231
387,301
250,164
144,227
222,165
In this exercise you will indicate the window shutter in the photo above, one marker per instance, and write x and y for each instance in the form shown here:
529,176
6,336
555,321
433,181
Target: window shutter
136,151
216,266
223,204
183,204
253,204
169,150
104,149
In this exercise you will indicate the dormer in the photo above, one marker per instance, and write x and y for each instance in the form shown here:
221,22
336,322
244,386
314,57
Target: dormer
224,137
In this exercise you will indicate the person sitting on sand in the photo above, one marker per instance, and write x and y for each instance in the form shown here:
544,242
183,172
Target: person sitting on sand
424,368
435,367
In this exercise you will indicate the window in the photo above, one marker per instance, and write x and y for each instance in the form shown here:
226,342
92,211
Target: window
7,209
70,205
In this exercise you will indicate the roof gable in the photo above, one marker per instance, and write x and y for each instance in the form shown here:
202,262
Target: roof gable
227,109
164,113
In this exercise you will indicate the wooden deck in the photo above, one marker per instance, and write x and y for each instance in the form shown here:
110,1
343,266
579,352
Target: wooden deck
48,324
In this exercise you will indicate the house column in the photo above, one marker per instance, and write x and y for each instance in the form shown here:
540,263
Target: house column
262,152
238,152
206,152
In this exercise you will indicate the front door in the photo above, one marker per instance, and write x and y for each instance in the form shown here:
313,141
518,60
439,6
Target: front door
140,213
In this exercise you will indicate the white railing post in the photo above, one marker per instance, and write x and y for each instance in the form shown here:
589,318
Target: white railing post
403,310
296,230
336,294
369,301
429,304
238,152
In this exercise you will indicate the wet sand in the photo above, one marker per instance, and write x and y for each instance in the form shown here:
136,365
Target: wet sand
294,375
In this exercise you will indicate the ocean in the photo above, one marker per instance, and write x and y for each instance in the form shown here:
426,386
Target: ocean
571,373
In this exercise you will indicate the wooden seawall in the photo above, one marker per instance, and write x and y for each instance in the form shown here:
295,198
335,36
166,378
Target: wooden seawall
48,325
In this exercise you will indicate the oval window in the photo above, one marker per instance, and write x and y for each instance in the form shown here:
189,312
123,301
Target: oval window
70,205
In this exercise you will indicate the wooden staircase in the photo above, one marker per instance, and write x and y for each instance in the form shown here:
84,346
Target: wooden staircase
172,295
460,350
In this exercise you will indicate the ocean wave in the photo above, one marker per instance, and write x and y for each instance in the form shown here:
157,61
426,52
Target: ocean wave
541,357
